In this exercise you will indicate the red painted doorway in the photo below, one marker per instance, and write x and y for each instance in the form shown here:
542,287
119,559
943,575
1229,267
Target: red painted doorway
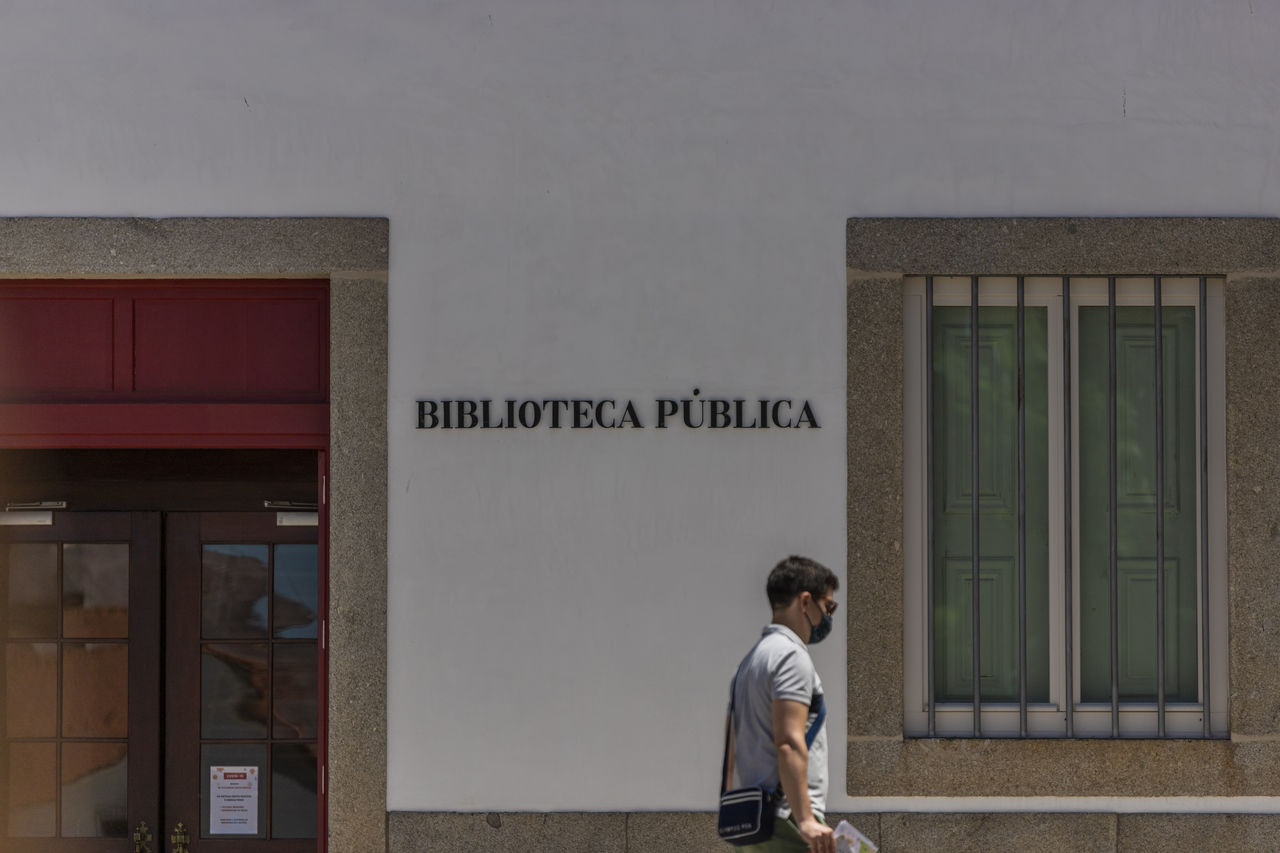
179,430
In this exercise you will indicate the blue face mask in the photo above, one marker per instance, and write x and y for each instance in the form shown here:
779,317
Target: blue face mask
819,632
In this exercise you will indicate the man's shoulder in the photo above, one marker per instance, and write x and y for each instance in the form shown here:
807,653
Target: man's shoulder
782,648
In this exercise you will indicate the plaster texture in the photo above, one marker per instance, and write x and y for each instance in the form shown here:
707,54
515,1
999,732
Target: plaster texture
874,530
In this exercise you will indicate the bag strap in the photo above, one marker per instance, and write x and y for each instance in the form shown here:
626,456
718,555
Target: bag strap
724,766
809,736
812,735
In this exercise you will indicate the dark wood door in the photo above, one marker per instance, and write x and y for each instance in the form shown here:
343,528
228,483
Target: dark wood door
242,668
112,618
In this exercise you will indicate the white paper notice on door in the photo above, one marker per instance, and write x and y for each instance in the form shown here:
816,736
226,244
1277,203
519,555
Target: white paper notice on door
233,800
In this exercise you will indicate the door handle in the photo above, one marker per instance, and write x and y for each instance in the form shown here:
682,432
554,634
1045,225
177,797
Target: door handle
179,838
142,838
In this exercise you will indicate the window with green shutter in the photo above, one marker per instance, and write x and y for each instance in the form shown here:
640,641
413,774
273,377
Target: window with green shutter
1063,442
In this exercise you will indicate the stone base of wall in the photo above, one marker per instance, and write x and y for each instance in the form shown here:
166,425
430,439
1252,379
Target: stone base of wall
690,832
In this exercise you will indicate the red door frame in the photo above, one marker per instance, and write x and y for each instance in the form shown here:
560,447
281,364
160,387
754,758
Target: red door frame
116,422
322,686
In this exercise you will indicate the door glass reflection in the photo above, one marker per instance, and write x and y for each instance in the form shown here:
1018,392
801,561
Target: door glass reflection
32,609
296,591
233,592
95,778
31,689
293,790
234,690
95,690
95,590
259,662
32,807
293,691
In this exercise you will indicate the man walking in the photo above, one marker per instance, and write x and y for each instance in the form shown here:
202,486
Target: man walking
778,700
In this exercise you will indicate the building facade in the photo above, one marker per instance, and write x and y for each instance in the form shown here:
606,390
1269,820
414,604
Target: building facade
401,408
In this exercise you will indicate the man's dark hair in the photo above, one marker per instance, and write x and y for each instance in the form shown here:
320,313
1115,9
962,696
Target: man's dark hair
795,575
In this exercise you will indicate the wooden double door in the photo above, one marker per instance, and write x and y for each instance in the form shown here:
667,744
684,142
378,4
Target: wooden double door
162,680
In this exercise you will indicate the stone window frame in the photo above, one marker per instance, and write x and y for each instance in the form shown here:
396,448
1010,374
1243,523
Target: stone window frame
880,253
352,254
1047,719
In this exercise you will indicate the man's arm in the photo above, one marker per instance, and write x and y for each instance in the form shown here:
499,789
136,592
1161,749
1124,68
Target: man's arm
789,720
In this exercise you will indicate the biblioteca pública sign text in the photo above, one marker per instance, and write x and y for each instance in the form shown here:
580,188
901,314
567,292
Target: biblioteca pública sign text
692,412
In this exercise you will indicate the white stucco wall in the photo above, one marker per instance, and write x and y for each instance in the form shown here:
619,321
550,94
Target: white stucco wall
621,200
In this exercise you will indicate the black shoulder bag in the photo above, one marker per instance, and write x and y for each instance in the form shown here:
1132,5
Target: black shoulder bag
746,814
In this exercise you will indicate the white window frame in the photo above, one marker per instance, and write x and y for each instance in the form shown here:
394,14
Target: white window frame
1048,719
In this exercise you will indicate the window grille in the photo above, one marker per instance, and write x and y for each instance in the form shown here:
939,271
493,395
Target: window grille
986,372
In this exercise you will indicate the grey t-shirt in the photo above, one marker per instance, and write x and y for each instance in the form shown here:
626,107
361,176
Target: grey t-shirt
778,667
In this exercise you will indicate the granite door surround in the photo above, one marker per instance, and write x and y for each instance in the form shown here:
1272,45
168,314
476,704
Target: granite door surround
352,254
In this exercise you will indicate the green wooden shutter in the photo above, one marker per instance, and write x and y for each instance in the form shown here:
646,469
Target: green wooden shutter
997,502
1136,510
